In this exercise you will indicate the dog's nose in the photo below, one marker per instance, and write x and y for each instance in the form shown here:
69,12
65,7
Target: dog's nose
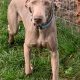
38,20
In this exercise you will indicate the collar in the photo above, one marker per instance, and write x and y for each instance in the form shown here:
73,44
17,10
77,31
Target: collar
47,24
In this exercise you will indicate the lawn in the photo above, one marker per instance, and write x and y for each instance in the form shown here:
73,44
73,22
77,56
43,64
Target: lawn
12,60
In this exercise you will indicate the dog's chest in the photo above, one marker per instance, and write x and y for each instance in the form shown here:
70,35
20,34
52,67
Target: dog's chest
36,38
40,42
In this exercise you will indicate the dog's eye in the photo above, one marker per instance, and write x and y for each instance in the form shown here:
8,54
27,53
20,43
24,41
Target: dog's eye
46,3
30,10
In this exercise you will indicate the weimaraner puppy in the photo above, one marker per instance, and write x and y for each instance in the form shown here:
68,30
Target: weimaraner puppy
40,28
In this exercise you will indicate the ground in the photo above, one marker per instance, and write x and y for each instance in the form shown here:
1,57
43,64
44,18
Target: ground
12,60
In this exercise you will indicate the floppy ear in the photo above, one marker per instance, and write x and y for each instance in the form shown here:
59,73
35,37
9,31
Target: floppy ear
27,3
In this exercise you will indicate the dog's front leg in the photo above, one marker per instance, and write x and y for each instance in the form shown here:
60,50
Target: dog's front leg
27,59
55,65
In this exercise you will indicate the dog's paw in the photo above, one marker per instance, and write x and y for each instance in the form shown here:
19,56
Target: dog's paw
28,72
10,39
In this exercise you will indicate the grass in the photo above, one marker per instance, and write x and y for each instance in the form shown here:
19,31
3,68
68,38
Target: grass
12,60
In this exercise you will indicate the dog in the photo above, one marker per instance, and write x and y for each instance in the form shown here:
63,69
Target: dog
40,29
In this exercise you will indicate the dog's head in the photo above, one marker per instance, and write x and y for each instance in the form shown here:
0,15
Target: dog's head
40,10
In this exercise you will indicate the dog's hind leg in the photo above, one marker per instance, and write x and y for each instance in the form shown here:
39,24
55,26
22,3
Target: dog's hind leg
12,23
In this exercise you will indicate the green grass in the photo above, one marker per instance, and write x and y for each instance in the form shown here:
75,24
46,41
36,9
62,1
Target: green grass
12,60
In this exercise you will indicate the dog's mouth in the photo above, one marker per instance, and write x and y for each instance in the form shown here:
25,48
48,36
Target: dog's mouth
38,24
